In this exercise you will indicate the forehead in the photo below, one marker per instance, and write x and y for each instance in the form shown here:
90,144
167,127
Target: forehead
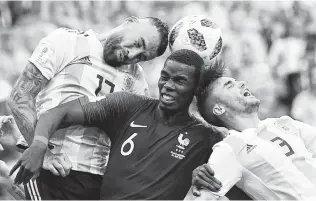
218,85
175,68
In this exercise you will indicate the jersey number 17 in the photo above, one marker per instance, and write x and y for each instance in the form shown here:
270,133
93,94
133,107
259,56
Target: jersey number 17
97,91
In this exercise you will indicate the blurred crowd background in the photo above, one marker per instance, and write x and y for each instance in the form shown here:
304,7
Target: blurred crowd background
268,44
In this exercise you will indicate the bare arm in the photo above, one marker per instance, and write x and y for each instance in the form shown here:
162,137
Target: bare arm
32,159
22,100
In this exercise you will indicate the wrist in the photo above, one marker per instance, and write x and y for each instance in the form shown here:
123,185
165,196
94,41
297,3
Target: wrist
42,139
39,144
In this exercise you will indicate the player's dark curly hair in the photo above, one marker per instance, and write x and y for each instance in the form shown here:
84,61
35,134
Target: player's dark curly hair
190,58
209,76
163,30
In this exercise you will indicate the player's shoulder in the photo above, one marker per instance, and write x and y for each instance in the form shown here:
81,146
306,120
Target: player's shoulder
134,70
64,34
131,97
213,133
283,120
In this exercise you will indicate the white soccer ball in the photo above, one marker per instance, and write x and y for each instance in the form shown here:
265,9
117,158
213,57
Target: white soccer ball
197,33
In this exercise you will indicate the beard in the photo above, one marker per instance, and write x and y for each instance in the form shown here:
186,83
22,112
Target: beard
244,105
252,106
111,45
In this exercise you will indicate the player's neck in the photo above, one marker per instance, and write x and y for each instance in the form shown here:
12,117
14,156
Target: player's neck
170,117
243,122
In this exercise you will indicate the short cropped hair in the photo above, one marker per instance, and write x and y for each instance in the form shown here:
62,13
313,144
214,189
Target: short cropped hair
163,30
189,58
209,76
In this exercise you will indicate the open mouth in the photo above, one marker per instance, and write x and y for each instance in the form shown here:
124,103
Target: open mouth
246,92
167,98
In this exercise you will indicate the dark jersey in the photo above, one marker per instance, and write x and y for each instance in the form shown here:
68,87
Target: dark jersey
148,159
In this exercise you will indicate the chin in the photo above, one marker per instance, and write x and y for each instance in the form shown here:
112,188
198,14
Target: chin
253,106
167,108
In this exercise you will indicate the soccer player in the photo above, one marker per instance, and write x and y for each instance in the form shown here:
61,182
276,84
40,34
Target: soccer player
156,144
66,65
271,159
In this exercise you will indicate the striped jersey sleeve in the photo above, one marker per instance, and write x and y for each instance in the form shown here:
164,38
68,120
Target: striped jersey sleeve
226,167
57,50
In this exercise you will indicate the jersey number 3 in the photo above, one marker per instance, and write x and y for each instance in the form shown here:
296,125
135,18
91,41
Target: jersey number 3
282,144
97,91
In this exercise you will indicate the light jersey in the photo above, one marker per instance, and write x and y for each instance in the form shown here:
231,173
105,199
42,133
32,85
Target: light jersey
72,62
275,161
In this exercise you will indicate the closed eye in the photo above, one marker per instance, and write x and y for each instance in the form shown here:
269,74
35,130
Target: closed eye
182,81
138,43
229,84
163,76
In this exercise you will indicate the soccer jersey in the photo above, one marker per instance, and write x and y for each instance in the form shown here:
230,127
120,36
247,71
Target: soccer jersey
149,159
72,62
274,161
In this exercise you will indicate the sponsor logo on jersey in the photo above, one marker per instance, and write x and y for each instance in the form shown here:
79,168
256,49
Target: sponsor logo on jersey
133,125
183,143
85,60
250,148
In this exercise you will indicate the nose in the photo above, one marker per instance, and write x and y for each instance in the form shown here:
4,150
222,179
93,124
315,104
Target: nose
169,85
132,53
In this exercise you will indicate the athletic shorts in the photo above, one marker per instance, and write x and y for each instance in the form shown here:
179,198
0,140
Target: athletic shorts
75,186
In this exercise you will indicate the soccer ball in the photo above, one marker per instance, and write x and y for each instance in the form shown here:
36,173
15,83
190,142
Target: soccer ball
197,33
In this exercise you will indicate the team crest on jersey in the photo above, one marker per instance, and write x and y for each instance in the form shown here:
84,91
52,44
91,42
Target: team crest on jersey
180,148
44,55
84,60
129,82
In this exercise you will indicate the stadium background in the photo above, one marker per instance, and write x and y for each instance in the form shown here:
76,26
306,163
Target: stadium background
265,44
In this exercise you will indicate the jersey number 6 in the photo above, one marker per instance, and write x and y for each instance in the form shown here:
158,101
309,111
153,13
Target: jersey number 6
106,82
131,143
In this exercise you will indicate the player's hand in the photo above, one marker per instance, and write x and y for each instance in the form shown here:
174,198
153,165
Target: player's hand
4,174
203,177
58,164
29,163
8,126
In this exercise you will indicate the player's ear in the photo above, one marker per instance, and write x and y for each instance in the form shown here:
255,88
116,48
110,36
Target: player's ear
131,19
218,109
